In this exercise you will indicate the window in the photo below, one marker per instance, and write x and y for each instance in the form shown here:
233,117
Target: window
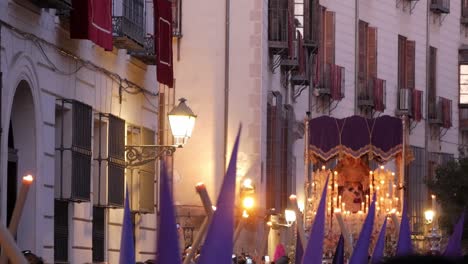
464,84
299,15
73,150
109,154
311,17
177,18
99,234
141,178
61,231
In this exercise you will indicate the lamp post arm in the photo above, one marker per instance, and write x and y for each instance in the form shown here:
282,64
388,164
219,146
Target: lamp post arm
137,155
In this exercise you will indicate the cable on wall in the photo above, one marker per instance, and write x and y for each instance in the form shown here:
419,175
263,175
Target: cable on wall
124,84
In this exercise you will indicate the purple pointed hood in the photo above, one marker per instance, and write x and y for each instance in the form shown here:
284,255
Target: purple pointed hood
314,249
219,243
361,251
168,241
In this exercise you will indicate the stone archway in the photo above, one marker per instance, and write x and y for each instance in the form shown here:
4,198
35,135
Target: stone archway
23,128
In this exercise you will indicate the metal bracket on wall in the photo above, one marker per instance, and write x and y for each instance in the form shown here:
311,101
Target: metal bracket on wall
406,4
412,125
142,154
440,17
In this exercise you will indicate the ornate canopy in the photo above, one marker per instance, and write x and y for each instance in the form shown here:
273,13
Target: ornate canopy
355,136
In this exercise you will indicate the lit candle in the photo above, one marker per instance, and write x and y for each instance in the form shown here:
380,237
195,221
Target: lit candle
339,200
362,206
433,203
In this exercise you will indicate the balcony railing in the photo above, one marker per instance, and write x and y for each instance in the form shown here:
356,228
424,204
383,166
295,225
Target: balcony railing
440,6
128,24
55,4
332,82
405,103
278,28
434,111
147,54
372,94
440,112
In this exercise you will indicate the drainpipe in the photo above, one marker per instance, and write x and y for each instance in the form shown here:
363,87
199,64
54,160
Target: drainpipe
226,80
356,55
427,131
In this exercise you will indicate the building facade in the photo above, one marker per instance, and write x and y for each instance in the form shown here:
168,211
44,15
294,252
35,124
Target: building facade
69,107
265,64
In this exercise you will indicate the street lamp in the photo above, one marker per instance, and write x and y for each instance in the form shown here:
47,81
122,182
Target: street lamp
433,235
181,120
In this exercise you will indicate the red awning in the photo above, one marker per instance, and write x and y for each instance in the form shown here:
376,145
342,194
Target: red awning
92,19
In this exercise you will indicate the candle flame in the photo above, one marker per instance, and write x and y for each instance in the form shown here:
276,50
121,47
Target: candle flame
28,179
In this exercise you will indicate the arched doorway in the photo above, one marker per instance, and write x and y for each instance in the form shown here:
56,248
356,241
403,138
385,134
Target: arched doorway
21,161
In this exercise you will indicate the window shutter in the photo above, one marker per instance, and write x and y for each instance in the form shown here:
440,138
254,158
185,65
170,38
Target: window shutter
401,62
447,113
417,104
432,104
301,53
98,234
161,118
410,63
464,8
291,28
307,20
363,26
60,231
379,94
329,37
81,151
372,51
116,170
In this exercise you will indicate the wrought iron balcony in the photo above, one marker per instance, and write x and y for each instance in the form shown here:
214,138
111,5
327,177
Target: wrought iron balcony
55,4
372,94
278,28
147,54
128,24
331,82
127,34
440,112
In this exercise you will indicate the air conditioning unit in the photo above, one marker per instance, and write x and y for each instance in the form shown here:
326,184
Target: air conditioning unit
141,179
440,6
73,126
404,101
109,161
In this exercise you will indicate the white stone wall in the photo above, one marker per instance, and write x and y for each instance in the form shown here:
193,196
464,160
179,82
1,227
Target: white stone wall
21,59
